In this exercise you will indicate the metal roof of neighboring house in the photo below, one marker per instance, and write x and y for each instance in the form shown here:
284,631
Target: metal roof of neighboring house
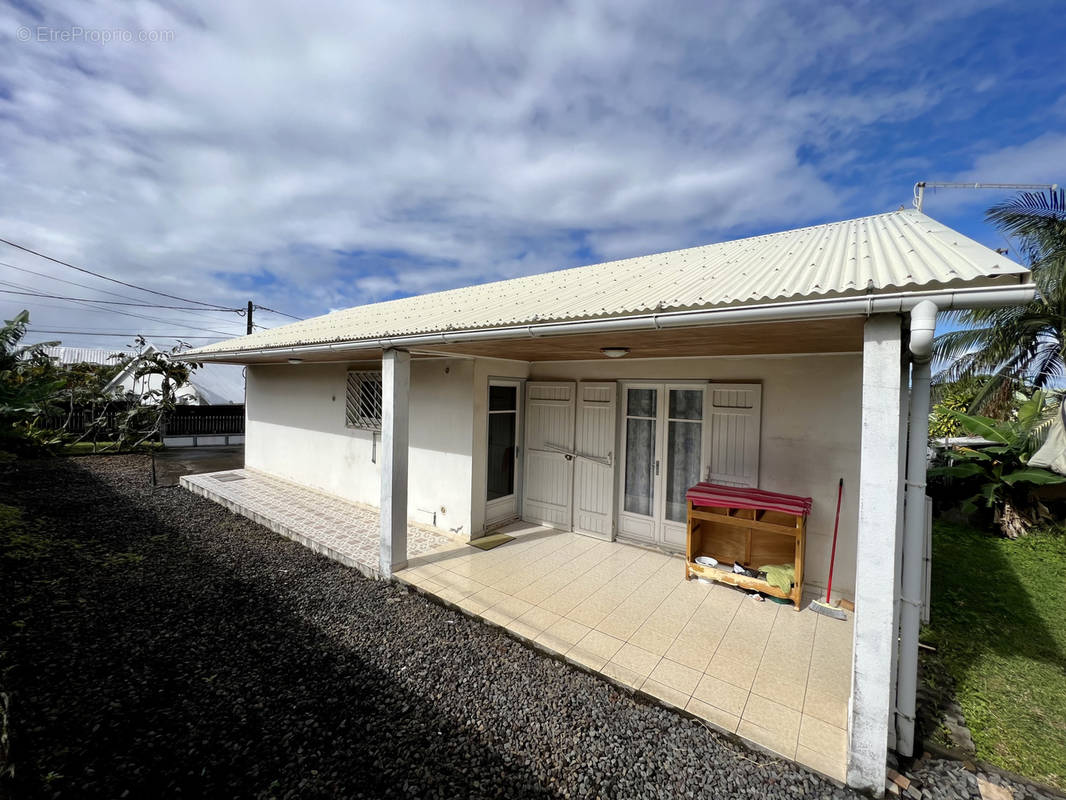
83,355
219,384
898,250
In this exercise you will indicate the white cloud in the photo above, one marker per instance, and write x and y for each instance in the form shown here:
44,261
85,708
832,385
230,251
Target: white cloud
470,139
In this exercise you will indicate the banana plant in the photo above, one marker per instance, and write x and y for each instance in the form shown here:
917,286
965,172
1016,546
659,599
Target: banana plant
1005,482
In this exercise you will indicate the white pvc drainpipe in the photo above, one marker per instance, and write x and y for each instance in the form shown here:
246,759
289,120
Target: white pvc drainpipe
979,297
923,324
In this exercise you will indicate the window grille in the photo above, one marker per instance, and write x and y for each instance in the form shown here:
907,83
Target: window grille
363,401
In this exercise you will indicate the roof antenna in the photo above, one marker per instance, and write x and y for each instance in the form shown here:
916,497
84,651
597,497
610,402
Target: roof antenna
920,187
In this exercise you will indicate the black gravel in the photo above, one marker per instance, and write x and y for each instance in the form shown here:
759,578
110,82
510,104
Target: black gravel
155,645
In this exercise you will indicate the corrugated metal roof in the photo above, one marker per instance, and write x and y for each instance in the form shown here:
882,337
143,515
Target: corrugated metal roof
894,251
82,355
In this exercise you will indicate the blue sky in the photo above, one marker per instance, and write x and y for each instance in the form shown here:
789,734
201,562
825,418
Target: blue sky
328,155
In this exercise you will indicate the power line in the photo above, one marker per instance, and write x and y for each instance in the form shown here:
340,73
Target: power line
198,314
132,314
106,278
282,313
126,335
116,302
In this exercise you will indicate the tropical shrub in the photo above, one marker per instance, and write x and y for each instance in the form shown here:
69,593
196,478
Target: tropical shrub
1003,481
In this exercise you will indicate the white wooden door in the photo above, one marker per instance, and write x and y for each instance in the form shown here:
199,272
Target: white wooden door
734,417
594,459
547,497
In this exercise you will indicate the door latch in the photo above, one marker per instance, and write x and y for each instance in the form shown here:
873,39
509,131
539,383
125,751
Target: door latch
568,457
656,467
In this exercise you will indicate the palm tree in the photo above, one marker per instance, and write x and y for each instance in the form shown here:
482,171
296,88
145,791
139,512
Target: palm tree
1019,344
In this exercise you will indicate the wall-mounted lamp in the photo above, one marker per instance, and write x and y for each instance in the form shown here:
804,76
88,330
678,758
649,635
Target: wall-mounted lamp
296,361
615,352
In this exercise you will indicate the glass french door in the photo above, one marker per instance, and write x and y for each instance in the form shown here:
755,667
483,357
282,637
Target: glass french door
662,453
501,495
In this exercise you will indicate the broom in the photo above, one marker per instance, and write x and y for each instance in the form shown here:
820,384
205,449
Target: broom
817,606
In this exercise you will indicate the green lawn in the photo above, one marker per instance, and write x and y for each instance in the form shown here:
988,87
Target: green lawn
86,448
999,624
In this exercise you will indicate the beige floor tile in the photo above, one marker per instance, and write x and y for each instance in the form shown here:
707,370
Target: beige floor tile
666,694
725,696
622,624
623,675
774,741
636,659
737,671
563,635
539,618
830,708
713,715
770,724
773,686
833,768
676,676
692,652
823,738
488,597
597,645
526,631
512,607
590,613
651,639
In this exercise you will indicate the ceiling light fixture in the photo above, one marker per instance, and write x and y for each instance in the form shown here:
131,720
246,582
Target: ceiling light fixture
615,352
296,361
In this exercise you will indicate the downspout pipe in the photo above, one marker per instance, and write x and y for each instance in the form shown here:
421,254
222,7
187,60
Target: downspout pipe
923,325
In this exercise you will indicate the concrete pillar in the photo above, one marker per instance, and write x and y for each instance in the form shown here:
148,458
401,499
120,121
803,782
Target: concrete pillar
875,569
395,388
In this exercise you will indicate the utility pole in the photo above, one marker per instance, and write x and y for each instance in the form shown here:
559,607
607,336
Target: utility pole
250,307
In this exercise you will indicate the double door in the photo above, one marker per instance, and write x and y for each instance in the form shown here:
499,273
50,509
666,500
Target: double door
663,454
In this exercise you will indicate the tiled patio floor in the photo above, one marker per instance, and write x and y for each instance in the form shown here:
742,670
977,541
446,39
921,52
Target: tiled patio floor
341,530
778,678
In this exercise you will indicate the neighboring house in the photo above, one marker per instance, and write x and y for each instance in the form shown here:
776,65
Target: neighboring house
211,384
590,399
66,356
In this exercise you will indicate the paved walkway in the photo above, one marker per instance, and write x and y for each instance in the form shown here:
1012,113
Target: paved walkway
344,531
778,678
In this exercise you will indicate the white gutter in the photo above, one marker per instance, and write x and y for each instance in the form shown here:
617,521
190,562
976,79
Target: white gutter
900,302
923,323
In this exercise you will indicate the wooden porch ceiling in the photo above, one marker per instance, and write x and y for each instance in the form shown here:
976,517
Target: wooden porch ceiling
838,335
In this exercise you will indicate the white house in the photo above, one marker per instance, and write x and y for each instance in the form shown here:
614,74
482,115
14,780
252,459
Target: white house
209,385
590,399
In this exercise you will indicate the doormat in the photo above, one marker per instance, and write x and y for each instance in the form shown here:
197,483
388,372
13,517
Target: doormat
228,476
489,542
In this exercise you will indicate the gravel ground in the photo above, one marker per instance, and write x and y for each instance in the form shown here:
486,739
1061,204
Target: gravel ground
156,645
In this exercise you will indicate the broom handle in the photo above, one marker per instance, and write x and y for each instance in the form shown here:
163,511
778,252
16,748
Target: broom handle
833,553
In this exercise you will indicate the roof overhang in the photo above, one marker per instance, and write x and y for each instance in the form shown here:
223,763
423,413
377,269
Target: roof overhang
468,342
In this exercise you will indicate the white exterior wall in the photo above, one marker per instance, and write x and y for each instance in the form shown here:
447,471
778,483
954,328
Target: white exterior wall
296,430
809,434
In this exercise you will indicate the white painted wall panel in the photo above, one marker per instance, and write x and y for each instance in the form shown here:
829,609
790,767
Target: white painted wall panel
296,431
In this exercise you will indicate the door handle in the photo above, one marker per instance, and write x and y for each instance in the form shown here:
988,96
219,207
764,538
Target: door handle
656,467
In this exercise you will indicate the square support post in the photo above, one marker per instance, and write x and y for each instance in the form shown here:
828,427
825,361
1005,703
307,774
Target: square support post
395,388
875,569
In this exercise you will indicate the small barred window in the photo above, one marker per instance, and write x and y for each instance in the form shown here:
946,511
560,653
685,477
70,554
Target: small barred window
363,401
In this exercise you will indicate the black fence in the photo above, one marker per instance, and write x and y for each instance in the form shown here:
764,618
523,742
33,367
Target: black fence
205,421
182,421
